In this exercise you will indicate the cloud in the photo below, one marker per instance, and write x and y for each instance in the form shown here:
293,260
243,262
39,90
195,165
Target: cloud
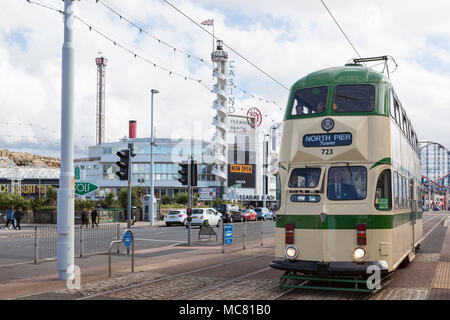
287,41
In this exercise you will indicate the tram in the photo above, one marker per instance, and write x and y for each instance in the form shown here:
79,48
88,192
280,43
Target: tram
348,184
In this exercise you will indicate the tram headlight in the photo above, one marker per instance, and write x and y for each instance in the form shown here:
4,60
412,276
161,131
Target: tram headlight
359,254
291,252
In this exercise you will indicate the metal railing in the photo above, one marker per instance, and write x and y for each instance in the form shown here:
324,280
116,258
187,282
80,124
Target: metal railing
88,240
243,234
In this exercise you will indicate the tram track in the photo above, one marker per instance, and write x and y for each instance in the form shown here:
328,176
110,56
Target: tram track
171,277
196,291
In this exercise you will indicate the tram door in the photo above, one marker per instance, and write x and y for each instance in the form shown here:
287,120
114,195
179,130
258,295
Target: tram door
413,206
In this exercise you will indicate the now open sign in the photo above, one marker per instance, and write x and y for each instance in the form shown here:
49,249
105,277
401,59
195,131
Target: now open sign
81,188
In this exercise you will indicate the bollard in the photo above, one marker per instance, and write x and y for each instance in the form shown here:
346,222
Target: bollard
35,245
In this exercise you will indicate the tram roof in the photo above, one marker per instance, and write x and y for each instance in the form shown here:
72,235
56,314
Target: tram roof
350,73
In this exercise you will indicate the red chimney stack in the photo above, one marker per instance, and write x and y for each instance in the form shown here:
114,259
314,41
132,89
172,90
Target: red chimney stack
132,129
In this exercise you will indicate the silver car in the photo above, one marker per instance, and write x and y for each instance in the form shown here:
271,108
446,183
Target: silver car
176,217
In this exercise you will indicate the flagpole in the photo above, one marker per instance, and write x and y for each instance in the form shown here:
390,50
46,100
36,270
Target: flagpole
213,34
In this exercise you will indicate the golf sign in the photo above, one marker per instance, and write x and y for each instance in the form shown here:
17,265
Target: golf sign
82,188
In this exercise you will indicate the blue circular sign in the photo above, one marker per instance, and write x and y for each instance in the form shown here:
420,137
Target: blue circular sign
127,238
327,124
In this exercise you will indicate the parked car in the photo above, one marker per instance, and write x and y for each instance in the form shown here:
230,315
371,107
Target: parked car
230,212
199,215
263,213
249,215
176,217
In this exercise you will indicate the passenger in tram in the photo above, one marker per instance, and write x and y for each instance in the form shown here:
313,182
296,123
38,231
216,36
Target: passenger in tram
338,190
320,107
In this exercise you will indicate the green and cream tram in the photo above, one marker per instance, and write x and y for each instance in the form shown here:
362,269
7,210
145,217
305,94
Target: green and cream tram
348,180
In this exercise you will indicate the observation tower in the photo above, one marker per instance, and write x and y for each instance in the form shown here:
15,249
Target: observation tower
220,120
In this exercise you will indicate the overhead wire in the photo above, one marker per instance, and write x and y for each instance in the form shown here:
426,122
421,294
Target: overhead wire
189,55
226,45
343,32
136,55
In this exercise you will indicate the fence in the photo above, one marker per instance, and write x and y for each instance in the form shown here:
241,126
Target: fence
243,234
87,240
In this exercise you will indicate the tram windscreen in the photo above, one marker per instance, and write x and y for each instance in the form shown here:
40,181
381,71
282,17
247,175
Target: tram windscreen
347,183
310,101
304,178
354,98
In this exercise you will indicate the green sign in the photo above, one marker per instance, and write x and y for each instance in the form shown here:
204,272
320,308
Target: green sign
82,188
77,173
383,204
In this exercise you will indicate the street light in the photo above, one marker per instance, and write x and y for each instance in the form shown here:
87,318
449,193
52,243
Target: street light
152,187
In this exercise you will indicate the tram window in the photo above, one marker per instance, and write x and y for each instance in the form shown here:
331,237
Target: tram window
304,178
310,101
383,194
397,113
403,193
354,98
396,190
391,106
305,198
347,183
278,192
408,190
400,192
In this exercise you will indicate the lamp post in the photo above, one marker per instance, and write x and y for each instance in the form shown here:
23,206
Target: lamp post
152,183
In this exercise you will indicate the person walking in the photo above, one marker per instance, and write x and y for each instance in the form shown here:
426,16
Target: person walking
10,217
17,217
94,217
84,218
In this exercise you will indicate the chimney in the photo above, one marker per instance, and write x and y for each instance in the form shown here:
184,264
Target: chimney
132,129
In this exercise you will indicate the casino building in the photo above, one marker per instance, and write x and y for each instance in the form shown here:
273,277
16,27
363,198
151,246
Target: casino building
244,169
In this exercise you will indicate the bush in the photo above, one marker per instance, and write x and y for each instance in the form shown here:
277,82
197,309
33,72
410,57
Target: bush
166,200
181,198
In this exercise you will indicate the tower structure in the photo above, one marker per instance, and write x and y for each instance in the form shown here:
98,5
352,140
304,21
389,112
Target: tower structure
220,120
100,123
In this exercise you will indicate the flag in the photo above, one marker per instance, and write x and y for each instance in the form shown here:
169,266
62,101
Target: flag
208,22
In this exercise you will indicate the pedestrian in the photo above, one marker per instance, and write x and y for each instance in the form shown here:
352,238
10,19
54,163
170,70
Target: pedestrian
9,217
94,217
84,218
18,216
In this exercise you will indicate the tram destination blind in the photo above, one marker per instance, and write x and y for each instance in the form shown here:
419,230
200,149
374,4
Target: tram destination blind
327,139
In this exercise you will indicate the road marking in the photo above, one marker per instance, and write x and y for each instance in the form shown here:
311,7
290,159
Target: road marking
159,240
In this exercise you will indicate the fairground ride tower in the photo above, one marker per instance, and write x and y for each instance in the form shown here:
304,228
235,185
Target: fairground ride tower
220,121
100,122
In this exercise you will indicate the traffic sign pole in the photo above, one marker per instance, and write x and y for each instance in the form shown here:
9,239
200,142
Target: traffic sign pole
130,148
189,199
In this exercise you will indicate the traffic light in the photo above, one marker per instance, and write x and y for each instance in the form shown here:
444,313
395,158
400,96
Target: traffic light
189,213
183,174
124,156
193,173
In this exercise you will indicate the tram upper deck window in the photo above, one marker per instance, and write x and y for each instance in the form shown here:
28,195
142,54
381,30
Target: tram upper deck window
304,178
354,98
347,183
310,101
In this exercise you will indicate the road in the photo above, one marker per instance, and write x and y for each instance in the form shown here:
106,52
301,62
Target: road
21,250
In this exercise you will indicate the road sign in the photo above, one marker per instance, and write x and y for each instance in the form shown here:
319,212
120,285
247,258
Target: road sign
228,234
127,238
206,194
82,188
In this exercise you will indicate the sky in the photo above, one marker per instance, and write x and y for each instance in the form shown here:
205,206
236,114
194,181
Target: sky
287,40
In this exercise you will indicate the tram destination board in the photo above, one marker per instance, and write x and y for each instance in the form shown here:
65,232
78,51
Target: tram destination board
327,139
